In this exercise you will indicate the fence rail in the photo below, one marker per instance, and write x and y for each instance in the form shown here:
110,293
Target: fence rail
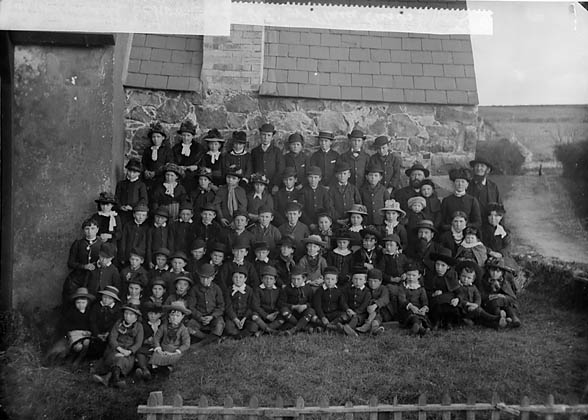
155,410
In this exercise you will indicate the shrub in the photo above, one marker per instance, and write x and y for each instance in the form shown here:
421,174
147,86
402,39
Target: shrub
574,159
505,156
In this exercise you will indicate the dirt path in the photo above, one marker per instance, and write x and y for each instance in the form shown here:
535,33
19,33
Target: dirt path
542,218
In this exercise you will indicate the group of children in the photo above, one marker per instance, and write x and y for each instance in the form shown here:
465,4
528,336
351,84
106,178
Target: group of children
241,244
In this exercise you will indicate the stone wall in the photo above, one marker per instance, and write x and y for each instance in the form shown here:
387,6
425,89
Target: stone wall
441,136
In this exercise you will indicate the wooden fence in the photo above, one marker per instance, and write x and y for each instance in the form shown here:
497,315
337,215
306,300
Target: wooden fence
155,410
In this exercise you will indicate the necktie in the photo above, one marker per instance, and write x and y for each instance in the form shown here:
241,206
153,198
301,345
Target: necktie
232,201
154,150
186,149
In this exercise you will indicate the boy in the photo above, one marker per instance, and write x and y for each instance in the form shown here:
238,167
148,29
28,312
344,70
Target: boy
341,256
182,231
230,198
130,192
83,256
389,162
151,323
286,194
134,234
324,227
240,250
135,270
373,193
499,291
178,260
414,304
313,263
266,312
393,265
325,158
265,231
162,268
329,301
239,310
314,196
238,160
296,158
208,323
197,253
369,255
342,193
238,229
103,316
261,250
105,273
187,154
158,289
259,197
285,261
414,215
171,340
432,209
158,235
217,259
442,288
378,301
356,158
295,303
391,224
294,228
207,228
181,291
267,158
358,298
76,324
205,192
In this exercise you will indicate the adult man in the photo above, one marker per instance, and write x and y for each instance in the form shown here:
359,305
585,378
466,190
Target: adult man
481,187
416,173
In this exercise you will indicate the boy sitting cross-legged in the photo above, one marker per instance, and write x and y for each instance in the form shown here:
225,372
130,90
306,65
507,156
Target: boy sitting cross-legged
499,291
239,309
414,304
295,303
379,300
207,323
266,312
329,301
358,298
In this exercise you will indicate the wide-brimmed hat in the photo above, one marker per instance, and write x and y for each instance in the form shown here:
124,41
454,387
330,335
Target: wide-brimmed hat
392,205
214,135
105,197
106,250
206,172
156,127
289,171
267,128
357,209
205,270
268,270
82,292
480,159
295,138
342,166
326,135
499,263
179,306
374,166
497,207
161,211
381,141
356,133
239,137
417,199
110,291
259,179
314,239
444,255
392,238
370,231
161,251
314,170
185,278
233,171
172,167
417,166
187,126
133,307
425,224
134,165
179,254
460,173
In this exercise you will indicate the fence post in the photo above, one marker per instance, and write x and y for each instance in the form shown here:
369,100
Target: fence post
324,403
228,404
155,399
279,404
373,402
178,402
524,404
349,416
203,403
549,403
300,404
253,403
397,414
471,415
422,402
495,412
446,400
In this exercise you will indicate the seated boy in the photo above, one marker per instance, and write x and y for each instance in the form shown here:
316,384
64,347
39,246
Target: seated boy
329,301
159,234
238,229
295,303
294,228
266,312
379,300
230,198
135,271
103,316
499,292
171,339
259,197
183,230
286,194
197,253
207,323
313,262
240,250
134,234
105,273
285,261
151,323
442,288
265,231
207,228
369,255
358,298
239,309
414,304
314,196
161,269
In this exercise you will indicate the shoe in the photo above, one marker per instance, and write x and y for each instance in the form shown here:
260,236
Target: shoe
319,330
102,379
423,331
468,322
364,328
378,330
502,322
139,373
311,330
516,322
415,328
349,331
120,384
146,375
257,334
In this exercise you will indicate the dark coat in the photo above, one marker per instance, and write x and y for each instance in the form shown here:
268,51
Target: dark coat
468,204
342,197
209,301
402,195
358,162
131,193
313,200
300,162
239,305
374,198
182,234
271,163
265,301
233,162
358,300
484,193
327,301
221,200
102,277
391,165
103,318
281,199
325,161
158,237
295,296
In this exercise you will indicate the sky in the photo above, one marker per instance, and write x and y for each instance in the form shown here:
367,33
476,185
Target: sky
538,54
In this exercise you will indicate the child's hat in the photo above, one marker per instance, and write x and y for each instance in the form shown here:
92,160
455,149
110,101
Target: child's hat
323,212
428,182
268,270
241,243
425,224
241,270
138,252
499,263
359,269
293,206
105,197
218,246
179,306
480,159
287,241
374,167
259,179
185,205
417,199
233,171
314,170
106,250
179,254
392,205
205,270
184,277
392,238
134,165
260,245
208,207
289,171
370,231
472,230
162,251
381,141
444,255
497,207
472,265
314,239
326,135
141,207
298,270
162,211
133,307
295,138
342,166
357,209
265,209
205,172
417,166
110,291
187,126
159,281
374,273
82,292
198,244
239,137
460,173
172,167
156,127
356,134
137,279
214,135
342,235
330,270
150,306
267,128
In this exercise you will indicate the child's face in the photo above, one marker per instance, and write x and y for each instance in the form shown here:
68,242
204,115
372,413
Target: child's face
140,217
470,238
266,138
157,290
204,182
213,146
391,247
494,218
240,222
81,304
178,264
259,187
198,253
460,185
295,147
132,175
175,317
356,143
298,280
391,215
217,257
104,261
373,178
441,267
153,316
412,277
186,137
286,250
90,232
157,139
171,177
383,150
182,286
495,273
268,281
374,283
324,223
265,219
106,207
312,249
467,278
458,224
106,300
426,190
293,217
130,317
208,216
160,220
239,254
239,279
330,280
416,207
358,280
369,241
186,215
426,234
325,144
313,181
355,219
135,261
342,243
206,281
289,182
232,181
343,176
135,290
261,254
238,147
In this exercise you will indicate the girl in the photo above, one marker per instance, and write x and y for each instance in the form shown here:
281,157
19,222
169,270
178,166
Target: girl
213,159
313,262
392,225
109,223
259,197
156,156
453,238
433,204
340,257
170,193
356,213
187,154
